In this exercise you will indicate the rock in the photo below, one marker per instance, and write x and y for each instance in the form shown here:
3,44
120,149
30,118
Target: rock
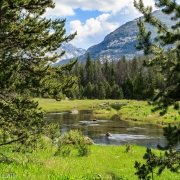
108,134
89,141
104,104
74,111
93,120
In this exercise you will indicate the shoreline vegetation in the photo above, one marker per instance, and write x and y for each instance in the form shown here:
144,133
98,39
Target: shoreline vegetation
103,162
131,110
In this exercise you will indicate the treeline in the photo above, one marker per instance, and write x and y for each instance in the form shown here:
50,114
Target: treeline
108,79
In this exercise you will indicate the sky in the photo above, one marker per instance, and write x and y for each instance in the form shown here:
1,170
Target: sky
94,19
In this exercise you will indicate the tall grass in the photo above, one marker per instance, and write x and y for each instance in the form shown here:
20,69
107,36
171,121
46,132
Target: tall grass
104,162
141,111
53,105
134,110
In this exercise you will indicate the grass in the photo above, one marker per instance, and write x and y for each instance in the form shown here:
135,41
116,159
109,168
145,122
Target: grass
134,110
53,105
104,162
141,111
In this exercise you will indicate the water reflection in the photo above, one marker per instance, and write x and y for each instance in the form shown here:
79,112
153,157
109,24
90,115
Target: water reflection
148,135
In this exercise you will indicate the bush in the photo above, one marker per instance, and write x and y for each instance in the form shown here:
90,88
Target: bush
74,140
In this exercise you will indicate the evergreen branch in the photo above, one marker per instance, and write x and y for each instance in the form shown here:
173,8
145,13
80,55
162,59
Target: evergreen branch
21,138
148,16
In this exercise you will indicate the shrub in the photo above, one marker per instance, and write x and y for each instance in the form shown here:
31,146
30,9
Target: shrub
74,140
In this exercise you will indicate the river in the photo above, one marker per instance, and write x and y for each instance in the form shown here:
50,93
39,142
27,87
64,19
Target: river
122,132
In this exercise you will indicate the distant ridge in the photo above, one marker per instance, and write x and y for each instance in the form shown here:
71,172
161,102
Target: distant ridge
122,41
72,52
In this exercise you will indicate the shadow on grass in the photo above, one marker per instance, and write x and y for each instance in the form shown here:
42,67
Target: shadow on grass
115,177
5,159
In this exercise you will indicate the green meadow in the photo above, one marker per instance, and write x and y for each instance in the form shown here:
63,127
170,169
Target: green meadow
141,111
103,162
133,110
53,105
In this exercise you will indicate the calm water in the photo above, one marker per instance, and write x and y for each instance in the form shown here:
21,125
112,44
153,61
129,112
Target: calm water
148,135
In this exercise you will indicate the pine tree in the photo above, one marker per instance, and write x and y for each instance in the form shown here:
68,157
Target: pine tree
167,61
106,69
101,91
88,92
89,69
27,44
122,71
129,88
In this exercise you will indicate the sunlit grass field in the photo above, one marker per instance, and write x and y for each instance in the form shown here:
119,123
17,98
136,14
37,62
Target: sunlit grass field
141,111
53,105
104,162
134,110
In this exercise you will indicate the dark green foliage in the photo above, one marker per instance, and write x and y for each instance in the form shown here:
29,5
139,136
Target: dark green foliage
51,131
115,80
116,92
88,91
89,69
21,122
128,147
27,48
144,170
166,61
155,165
169,160
101,91
172,134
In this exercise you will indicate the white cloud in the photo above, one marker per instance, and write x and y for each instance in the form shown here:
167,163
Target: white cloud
95,29
60,10
66,7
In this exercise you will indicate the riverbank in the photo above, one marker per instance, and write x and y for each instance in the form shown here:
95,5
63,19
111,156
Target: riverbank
104,162
138,111
53,105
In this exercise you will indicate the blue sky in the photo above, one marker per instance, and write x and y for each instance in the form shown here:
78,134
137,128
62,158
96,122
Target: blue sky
94,19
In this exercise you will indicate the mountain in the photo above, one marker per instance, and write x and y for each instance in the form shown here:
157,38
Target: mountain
122,41
72,52
118,43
